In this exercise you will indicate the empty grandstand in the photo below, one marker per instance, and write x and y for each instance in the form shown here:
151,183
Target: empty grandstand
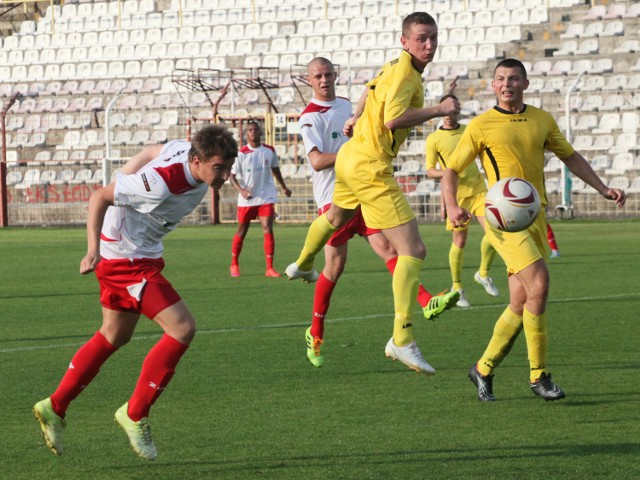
85,84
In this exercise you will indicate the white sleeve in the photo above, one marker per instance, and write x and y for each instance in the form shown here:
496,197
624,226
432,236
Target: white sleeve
311,133
275,161
141,191
236,169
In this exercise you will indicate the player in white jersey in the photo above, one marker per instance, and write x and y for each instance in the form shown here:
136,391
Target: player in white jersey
256,166
325,126
126,223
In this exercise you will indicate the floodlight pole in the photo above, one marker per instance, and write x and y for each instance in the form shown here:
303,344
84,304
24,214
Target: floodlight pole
564,178
106,173
4,210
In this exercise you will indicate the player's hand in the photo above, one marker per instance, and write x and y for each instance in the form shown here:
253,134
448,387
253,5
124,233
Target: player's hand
452,86
286,191
458,217
616,194
450,106
348,126
89,263
246,194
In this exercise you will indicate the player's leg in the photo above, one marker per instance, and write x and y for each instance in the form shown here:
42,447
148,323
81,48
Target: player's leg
163,305
551,240
318,234
487,255
456,260
116,330
269,243
407,242
535,281
244,221
432,306
505,332
335,259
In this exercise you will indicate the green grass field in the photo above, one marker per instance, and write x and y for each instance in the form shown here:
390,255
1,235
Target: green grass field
245,403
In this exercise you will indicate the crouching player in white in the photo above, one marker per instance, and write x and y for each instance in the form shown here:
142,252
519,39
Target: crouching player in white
126,223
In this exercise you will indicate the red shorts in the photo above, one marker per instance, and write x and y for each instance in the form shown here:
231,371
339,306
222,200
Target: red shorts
246,214
135,286
354,226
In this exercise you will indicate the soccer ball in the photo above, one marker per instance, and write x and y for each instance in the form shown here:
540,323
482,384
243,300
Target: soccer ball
511,205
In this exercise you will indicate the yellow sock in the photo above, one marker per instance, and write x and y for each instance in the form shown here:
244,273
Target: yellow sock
505,333
535,331
405,289
487,254
456,255
319,233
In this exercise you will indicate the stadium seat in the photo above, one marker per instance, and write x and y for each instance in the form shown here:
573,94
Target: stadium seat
633,11
621,164
597,12
630,122
593,83
602,65
31,177
551,185
574,30
560,67
625,142
613,29
620,181
589,46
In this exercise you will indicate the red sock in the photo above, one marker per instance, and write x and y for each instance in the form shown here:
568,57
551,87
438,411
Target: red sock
269,248
551,239
423,294
236,248
157,369
83,368
321,301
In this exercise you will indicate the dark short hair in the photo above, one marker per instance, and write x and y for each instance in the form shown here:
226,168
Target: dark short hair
213,140
420,18
512,63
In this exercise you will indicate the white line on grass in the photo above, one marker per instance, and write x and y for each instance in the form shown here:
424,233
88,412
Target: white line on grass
31,348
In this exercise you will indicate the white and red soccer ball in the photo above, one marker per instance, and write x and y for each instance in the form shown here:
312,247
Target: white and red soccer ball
511,205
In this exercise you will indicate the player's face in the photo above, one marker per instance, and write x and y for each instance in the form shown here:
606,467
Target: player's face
214,172
509,85
421,43
322,78
253,133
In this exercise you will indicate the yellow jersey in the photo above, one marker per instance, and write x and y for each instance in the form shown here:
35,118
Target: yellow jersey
511,145
440,147
397,87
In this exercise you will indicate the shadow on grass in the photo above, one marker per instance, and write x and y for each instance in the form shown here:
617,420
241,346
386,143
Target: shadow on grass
362,461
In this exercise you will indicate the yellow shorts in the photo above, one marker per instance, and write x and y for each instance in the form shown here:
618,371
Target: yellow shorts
474,204
520,249
369,182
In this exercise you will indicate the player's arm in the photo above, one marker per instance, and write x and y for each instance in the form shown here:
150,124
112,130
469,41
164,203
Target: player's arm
415,116
101,199
581,168
242,191
278,176
320,160
139,160
350,124
449,188
431,158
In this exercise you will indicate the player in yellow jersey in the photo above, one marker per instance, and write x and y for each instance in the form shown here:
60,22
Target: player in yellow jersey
510,140
471,192
389,107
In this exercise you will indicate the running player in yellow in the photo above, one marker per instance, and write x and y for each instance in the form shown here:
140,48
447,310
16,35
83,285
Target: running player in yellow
389,107
510,140
471,193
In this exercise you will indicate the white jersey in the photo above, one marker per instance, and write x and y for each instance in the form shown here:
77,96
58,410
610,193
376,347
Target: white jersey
149,204
321,126
253,166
